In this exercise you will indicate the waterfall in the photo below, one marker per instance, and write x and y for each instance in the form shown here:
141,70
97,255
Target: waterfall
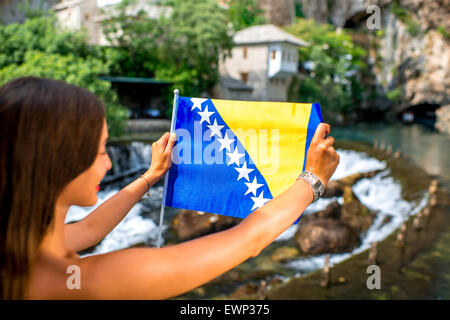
127,159
380,193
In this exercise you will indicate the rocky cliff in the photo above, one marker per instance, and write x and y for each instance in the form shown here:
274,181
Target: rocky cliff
409,55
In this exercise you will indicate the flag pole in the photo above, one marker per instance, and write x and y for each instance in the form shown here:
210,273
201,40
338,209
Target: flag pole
176,93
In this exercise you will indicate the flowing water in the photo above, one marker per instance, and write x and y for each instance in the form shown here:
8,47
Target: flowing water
426,147
382,193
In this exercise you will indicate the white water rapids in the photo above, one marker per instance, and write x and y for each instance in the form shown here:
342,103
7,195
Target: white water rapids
380,193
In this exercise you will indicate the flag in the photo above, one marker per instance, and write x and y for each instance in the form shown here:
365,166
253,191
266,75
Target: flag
232,157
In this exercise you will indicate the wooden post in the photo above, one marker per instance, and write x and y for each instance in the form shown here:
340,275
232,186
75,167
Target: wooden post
433,186
389,150
417,222
373,254
401,235
262,290
433,200
427,216
325,281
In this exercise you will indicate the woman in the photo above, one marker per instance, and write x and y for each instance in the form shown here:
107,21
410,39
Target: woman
52,156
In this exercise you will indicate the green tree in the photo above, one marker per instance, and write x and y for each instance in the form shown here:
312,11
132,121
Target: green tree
245,13
134,41
37,48
183,45
331,64
195,34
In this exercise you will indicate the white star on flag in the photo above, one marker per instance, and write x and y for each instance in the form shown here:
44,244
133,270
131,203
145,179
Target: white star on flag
205,115
234,157
225,142
252,186
259,201
197,103
243,172
215,129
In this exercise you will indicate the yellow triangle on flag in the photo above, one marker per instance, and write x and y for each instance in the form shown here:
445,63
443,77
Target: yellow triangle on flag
273,134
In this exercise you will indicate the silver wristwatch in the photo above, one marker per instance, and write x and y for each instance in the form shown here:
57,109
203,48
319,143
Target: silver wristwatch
315,183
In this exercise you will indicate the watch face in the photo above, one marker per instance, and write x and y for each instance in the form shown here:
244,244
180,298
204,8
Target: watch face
317,184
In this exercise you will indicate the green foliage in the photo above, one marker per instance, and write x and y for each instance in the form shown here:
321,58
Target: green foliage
135,42
37,48
182,46
195,34
406,17
442,30
245,13
395,95
336,63
38,34
380,33
299,10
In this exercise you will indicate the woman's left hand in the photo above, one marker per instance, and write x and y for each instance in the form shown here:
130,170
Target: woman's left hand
162,155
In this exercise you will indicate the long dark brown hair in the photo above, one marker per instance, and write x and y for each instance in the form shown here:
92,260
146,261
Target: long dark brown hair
49,134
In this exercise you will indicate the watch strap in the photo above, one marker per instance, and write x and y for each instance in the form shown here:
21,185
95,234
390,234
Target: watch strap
315,183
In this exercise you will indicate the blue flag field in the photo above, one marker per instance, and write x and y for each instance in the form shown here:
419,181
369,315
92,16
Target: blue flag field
232,157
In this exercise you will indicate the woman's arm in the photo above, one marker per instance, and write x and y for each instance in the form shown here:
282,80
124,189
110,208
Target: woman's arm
94,227
150,273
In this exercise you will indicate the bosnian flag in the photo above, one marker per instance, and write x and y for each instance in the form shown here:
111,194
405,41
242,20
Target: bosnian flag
232,157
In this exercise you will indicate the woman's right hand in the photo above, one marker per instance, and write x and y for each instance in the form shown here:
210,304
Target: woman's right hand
322,159
161,155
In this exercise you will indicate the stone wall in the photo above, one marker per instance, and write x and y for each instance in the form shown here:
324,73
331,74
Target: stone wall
443,119
254,64
278,12
409,56
83,14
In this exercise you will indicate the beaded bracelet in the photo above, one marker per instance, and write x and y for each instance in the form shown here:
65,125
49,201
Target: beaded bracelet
148,185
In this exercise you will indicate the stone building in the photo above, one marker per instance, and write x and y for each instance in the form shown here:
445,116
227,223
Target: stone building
264,60
77,14
14,10
89,14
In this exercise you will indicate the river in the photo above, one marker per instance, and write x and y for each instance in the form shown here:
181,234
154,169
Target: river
426,148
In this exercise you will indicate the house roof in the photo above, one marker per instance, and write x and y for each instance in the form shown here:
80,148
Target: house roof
267,33
66,4
135,80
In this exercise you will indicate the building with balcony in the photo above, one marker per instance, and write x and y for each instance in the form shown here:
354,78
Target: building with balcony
263,60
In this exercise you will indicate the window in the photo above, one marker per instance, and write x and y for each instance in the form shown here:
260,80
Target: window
244,52
244,77
274,54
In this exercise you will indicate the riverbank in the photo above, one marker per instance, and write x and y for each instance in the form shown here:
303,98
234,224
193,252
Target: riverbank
420,151
417,270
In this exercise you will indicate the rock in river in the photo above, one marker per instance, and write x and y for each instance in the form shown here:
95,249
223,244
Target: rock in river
326,235
190,224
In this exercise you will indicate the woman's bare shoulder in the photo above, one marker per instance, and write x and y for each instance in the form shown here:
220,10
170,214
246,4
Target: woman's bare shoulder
93,277
48,277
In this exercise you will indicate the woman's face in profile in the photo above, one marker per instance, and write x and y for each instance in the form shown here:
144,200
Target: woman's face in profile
82,191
